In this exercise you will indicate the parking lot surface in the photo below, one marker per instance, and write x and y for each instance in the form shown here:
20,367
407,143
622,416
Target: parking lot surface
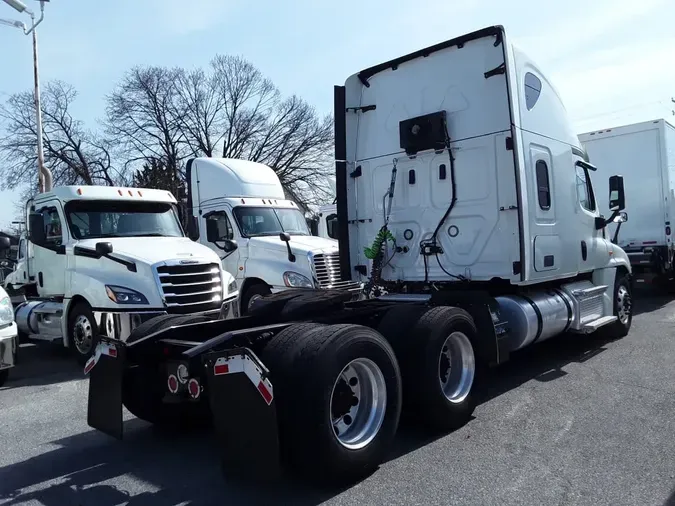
571,421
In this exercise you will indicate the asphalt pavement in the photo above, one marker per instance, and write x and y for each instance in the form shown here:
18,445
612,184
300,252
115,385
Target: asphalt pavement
571,421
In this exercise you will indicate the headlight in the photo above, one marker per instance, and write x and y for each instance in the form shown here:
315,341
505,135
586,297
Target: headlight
232,287
295,280
122,295
6,311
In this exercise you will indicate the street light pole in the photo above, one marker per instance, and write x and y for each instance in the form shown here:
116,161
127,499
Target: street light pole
45,175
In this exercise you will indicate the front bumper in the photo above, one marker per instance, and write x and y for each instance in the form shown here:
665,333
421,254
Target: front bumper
119,325
8,344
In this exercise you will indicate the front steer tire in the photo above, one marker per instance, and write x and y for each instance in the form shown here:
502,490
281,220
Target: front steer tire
305,363
622,297
144,386
82,332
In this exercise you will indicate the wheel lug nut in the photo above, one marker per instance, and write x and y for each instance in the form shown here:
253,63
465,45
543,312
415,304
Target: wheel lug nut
355,401
353,381
347,419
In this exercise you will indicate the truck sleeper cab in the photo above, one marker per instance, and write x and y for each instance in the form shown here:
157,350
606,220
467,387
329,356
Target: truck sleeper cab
463,194
239,210
102,260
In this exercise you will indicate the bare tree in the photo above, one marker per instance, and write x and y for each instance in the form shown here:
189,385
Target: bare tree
73,153
199,111
237,106
144,116
231,111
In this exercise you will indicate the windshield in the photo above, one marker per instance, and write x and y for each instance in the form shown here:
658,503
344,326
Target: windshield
101,219
259,221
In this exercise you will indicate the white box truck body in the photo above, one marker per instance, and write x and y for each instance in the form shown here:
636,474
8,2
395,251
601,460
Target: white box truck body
644,153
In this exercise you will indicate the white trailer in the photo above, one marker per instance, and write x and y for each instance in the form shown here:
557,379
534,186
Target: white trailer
99,261
644,154
239,210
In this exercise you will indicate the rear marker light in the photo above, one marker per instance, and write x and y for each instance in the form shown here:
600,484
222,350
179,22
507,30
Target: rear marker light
120,192
131,194
172,383
194,389
243,201
79,191
667,230
219,369
140,194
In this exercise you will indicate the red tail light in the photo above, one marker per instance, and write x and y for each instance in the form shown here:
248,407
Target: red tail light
172,383
667,230
194,388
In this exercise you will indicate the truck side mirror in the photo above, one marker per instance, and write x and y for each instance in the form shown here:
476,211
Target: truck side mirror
4,243
104,248
617,197
193,228
622,217
37,234
284,236
212,232
229,245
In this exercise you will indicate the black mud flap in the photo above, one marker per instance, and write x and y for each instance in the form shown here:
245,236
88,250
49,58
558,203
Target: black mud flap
105,369
244,413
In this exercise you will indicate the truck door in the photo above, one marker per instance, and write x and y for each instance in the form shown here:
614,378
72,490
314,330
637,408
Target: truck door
592,249
230,260
49,259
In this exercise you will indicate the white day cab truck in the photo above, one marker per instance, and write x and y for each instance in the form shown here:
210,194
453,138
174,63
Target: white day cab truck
644,153
9,338
483,233
238,209
100,261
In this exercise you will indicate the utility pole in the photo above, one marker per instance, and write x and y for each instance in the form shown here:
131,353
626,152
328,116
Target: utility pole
44,174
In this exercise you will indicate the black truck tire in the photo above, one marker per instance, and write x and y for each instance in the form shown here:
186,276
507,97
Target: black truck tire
253,293
299,303
4,374
312,368
82,332
623,309
144,386
440,369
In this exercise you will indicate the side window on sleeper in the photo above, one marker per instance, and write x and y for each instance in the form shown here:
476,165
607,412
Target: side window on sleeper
543,185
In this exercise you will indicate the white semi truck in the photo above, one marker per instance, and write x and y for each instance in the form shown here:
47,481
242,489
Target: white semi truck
327,226
99,260
238,209
644,153
9,337
464,194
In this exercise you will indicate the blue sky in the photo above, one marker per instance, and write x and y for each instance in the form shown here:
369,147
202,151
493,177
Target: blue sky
610,59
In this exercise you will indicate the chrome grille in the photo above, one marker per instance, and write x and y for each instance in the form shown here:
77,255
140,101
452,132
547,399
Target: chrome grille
190,288
327,270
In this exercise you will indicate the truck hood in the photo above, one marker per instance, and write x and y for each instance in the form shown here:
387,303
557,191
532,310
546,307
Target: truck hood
154,249
300,244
